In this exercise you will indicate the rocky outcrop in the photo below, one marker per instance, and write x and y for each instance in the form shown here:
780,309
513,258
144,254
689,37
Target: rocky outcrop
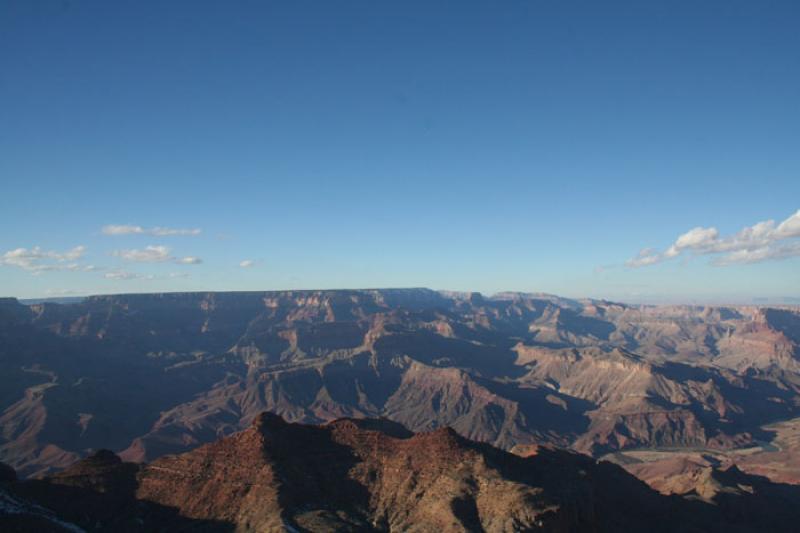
374,475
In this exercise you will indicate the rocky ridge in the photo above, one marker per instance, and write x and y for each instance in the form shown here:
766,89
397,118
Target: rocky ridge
375,475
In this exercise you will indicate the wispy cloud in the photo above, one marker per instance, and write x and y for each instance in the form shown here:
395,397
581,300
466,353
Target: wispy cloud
247,263
763,241
124,275
157,231
154,254
36,260
121,275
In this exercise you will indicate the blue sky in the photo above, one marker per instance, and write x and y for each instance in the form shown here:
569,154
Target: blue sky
515,145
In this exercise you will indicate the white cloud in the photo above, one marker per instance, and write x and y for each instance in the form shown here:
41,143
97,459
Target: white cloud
37,260
766,253
189,260
150,254
695,239
752,244
247,263
154,254
157,231
790,227
122,230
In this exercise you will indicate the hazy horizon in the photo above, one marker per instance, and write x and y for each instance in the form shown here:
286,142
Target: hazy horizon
785,301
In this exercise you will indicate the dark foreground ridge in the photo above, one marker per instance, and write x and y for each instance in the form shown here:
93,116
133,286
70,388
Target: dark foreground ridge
373,475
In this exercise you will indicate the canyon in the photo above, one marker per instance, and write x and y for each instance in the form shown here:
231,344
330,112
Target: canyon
672,394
